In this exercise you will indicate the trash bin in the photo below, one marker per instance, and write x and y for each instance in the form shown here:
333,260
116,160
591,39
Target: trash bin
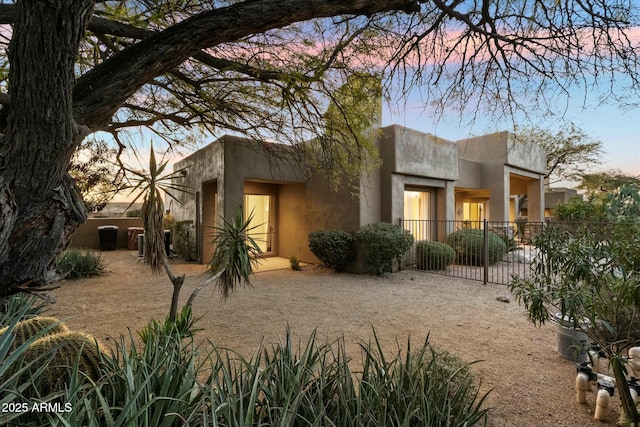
132,237
108,235
167,241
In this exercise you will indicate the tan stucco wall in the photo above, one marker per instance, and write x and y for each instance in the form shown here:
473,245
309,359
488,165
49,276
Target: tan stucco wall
233,167
419,160
86,236
501,147
421,154
491,161
306,208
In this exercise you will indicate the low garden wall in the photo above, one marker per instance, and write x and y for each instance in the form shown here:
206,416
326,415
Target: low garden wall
86,236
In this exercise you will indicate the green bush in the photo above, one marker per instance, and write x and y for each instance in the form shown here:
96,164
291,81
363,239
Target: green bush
294,263
383,243
468,244
184,240
77,263
335,248
432,255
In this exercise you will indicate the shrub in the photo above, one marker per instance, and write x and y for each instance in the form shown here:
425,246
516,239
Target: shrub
169,381
468,244
383,243
77,263
432,255
133,213
184,240
335,248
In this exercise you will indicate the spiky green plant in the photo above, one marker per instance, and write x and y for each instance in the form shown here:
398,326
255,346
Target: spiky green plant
25,305
236,253
149,185
169,381
13,367
29,328
312,384
77,263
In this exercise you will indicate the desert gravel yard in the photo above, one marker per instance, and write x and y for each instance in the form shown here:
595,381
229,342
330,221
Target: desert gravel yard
531,384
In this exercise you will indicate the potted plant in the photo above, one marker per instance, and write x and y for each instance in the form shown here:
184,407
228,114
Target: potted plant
592,273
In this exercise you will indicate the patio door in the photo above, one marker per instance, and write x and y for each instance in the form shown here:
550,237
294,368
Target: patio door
419,213
259,205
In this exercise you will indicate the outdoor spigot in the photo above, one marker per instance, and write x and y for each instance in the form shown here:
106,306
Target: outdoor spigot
605,392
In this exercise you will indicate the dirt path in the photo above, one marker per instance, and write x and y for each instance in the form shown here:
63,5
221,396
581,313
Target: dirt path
532,385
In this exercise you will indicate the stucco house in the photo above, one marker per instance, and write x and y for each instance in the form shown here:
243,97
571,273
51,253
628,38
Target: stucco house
421,177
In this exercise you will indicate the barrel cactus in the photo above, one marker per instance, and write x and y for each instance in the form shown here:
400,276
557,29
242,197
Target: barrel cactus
29,328
65,350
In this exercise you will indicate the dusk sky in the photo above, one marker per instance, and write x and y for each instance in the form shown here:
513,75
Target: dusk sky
618,130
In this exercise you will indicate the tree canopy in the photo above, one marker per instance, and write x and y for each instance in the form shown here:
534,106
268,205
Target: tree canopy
606,182
571,152
266,68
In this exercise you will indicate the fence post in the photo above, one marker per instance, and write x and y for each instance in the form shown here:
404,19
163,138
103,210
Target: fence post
485,253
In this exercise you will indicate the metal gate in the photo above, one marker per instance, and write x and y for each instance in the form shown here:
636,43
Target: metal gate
474,259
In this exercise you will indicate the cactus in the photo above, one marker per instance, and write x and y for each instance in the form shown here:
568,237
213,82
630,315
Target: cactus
65,350
29,328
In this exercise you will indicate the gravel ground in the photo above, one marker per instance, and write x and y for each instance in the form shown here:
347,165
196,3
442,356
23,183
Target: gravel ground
531,385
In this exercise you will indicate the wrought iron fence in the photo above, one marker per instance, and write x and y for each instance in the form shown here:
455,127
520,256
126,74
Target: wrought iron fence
478,254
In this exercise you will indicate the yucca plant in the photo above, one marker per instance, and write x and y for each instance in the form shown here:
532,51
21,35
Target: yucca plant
77,263
235,251
235,255
149,186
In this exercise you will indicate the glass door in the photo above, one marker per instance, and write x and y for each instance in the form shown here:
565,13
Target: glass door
261,229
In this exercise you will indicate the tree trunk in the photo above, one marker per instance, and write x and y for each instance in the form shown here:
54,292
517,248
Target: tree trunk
39,203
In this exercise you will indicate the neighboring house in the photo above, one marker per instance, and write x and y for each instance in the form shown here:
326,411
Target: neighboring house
552,198
422,177
555,196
